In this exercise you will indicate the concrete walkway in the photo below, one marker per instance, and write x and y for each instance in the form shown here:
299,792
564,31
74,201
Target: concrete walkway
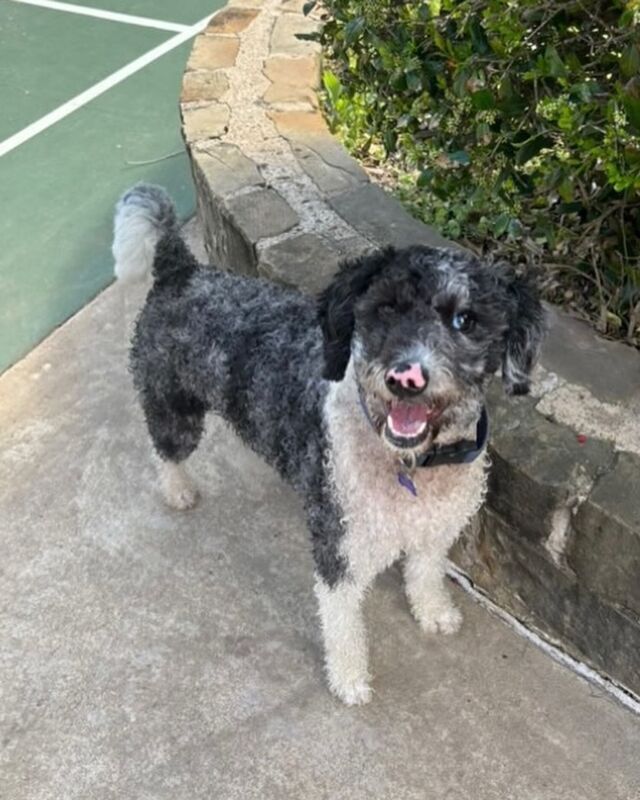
148,654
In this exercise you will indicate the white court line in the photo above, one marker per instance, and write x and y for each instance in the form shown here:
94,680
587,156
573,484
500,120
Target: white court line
99,88
112,16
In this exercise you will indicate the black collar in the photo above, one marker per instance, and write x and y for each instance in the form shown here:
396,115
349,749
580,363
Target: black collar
464,451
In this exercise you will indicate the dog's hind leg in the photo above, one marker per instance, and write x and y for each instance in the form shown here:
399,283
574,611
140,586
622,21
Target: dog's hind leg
176,424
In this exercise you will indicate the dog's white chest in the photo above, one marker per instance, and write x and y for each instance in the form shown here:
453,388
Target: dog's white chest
383,517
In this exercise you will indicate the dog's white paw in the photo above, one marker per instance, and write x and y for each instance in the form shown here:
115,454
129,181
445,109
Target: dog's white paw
181,498
177,489
442,619
352,692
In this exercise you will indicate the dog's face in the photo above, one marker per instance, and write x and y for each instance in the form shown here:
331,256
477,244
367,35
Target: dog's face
425,329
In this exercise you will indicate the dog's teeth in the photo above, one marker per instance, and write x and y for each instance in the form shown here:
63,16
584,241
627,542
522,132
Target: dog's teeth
406,434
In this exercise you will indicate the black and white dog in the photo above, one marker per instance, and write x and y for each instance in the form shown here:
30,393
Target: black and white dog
368,400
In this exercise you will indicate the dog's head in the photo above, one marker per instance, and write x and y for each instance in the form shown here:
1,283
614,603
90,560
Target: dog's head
426,327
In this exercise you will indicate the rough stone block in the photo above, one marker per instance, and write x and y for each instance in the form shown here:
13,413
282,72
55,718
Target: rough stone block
203,85
283,36
261,214
329,149
231,20
540,471
520,578
296,124
225,168
226,246
610,370
306,261
380,218
353,246
208,122
296,6
605,553
300,73
213,52
284,98
331,169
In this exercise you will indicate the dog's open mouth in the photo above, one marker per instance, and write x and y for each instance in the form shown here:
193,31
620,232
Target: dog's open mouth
408,424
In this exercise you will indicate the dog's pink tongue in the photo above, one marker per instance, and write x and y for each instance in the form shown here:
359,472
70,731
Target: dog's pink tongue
406,419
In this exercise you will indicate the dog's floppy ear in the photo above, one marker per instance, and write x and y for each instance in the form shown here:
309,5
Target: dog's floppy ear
523,338
336,308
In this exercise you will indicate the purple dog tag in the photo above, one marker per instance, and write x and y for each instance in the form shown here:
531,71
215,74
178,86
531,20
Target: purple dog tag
405,480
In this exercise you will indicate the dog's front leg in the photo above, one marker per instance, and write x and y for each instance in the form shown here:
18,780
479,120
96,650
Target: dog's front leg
431,605
345,639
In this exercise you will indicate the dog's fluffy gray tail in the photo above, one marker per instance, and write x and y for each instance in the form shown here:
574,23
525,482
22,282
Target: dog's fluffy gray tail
144,214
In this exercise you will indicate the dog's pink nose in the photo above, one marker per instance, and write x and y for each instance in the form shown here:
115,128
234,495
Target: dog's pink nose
410,378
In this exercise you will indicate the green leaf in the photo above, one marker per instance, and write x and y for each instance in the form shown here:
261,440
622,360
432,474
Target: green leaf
333,87
460,157
505,91
555,65
565,190
627,17
439,39
425,178
389,139
404,120
353,29
630,61
514,229
478,37
423,12
459,84
613,319
631,102
583,91
483,99
308,7
414,81
483,133
501,224
529,149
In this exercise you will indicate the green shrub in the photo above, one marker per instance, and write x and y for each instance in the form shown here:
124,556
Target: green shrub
510,124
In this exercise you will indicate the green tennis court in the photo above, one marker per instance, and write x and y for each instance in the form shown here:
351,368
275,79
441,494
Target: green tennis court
62,165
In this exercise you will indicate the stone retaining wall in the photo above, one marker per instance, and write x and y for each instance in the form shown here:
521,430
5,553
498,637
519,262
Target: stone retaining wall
558,543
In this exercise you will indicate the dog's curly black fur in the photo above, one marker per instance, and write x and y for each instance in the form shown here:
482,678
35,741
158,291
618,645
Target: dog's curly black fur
265,358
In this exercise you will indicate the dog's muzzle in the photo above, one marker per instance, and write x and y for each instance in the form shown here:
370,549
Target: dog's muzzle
408,424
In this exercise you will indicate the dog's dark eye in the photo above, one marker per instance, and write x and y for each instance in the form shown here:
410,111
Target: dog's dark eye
463,321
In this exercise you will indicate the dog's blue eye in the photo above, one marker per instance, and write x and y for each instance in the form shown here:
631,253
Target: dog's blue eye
463,321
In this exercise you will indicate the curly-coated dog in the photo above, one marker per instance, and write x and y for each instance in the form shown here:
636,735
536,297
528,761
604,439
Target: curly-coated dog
368,400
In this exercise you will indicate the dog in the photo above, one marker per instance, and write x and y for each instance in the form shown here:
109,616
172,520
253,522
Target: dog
368,399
